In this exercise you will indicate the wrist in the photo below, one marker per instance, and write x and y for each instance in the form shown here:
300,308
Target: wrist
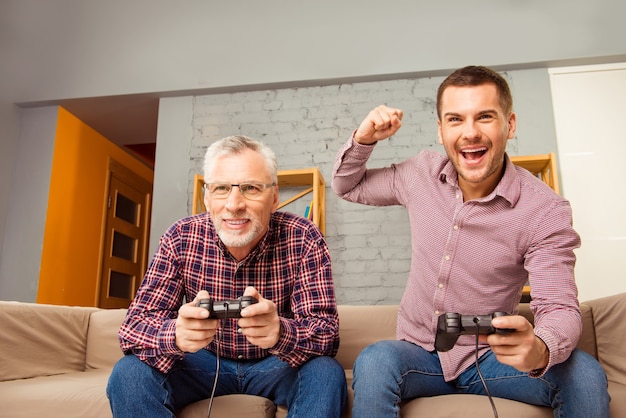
360,141
543,354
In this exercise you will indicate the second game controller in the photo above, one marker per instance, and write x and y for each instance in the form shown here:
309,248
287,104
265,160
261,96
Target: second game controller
451,324
226,308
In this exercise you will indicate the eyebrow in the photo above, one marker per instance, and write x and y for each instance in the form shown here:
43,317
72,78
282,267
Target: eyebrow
482,112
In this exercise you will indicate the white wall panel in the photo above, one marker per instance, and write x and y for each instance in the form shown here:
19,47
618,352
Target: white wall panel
589,108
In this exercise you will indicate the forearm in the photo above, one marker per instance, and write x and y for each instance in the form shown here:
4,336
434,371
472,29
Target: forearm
312,327
149,330
554,304
299,342
353,182
350,166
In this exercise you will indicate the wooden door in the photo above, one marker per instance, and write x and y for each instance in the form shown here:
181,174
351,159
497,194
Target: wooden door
125,247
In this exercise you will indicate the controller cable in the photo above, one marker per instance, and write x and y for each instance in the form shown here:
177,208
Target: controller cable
217,366
480,374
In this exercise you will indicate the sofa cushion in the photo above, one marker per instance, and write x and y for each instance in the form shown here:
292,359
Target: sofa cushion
617,407
70,395
231,406
103,349
55,336
463,405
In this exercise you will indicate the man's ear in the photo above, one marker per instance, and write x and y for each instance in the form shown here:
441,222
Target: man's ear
512,125
439,132
276,199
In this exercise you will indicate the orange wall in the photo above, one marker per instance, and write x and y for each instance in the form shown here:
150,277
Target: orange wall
72,241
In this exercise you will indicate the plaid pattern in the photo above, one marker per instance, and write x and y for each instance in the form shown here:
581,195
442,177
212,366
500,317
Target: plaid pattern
291,266
474,257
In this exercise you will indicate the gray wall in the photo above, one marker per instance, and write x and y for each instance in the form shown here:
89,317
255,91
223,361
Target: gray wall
370,247
60,49
28,204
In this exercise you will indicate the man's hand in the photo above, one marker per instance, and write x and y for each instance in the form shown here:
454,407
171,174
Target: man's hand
259,322
521,349
194,330
381,123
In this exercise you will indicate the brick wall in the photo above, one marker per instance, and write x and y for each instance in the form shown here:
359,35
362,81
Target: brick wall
370,247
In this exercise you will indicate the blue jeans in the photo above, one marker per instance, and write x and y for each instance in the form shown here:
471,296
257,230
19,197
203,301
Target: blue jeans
315,389
388,372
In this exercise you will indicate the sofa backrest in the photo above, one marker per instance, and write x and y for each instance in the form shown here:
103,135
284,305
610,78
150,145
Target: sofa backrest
103,348
42,340
609,327
360,326
363,325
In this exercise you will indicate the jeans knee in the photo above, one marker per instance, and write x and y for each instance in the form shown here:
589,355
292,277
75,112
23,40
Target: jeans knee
325,369
129,375
581,364
374,356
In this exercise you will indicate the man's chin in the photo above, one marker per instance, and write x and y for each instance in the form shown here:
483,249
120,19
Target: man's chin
235,239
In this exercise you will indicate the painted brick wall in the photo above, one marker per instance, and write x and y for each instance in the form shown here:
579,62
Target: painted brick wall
370,247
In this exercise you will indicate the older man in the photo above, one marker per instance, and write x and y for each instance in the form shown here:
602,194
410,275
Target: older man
281,348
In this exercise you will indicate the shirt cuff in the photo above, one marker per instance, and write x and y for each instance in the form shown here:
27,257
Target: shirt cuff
167,339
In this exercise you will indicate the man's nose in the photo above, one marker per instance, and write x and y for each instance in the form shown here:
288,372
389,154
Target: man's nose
470,130
235,199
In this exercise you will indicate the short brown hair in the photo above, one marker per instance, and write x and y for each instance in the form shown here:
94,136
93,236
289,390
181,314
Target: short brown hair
473,75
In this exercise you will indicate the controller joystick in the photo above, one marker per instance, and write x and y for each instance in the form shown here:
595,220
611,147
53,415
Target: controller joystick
226,308
451,324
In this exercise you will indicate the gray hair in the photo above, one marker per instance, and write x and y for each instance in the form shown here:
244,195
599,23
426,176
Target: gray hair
236,144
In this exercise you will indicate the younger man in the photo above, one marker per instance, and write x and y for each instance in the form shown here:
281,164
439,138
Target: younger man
480,228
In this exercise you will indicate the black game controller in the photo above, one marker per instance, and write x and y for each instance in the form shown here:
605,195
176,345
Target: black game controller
226,308
450,325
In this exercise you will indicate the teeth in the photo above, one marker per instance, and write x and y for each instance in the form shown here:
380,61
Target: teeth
236,222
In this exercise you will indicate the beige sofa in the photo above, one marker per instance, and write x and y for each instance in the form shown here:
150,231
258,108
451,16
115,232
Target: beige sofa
55,361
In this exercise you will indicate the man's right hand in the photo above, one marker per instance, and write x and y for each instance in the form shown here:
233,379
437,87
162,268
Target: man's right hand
381,123
194,330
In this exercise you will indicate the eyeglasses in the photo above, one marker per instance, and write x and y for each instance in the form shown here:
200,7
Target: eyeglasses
252,191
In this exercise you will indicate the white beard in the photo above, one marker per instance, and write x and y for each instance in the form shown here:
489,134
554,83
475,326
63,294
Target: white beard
236,239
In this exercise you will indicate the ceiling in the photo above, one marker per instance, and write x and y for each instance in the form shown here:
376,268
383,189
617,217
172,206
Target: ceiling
124,120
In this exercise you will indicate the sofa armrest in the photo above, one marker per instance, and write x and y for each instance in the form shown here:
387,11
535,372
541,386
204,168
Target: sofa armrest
42,340
103,348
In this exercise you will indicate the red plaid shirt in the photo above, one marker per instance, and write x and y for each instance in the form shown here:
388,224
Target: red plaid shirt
474,257
291,266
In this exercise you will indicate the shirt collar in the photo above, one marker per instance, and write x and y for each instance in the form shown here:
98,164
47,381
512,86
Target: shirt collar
508,188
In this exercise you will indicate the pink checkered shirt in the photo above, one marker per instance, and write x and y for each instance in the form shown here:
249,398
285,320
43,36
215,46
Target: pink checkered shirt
473,257
290,266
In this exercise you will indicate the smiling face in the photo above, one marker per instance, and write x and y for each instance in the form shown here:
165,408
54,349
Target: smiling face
240,222
474,130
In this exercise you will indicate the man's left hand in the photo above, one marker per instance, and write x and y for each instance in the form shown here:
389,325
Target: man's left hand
521,349
259,322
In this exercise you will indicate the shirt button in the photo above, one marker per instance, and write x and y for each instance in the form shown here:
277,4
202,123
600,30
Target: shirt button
456,227
436,312
447,257
240,356
440,285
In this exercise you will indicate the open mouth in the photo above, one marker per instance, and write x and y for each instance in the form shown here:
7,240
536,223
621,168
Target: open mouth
474,154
